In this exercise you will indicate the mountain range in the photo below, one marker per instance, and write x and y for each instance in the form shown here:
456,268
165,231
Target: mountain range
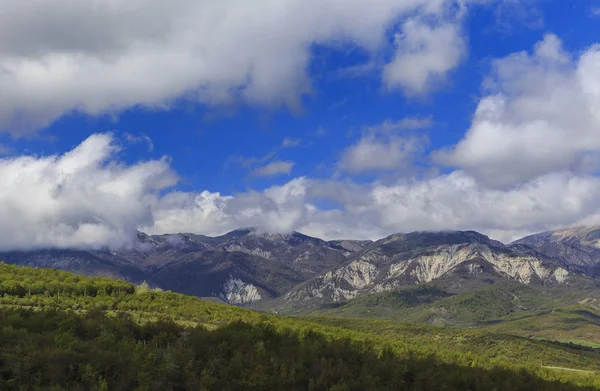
295,272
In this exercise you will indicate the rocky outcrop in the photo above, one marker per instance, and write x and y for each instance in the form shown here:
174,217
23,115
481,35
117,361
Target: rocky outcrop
422,258
577,247
236,291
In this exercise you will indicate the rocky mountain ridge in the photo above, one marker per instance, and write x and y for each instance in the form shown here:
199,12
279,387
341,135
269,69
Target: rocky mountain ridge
577,247
240,267
247,266
417,258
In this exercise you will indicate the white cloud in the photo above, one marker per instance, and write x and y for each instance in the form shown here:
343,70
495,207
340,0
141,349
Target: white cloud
140,139
424,55
59,56
320,132
407,123
454,201
372,153
82,198
87,198
291,142
380,149
277,209
541,116
274,168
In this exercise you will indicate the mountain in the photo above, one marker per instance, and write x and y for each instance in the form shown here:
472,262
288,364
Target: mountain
578,248
240,267
458,259
234,277
81,261
294,271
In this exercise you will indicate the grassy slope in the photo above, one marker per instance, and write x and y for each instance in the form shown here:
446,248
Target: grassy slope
555,313
54,289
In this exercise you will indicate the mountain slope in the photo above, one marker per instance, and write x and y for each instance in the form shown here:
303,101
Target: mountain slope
234,277
578,248
293,270
421,257
510,306
240,267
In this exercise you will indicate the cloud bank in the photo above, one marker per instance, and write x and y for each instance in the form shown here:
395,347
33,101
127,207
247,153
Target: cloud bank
86,198
541,116
61,56
527,163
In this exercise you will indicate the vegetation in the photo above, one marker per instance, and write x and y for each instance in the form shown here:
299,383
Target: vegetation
52,350
63,331
554,313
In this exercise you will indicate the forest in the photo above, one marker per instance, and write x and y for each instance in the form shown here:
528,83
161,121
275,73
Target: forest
62,331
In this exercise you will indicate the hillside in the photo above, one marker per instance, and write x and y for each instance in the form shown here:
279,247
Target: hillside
555,313
450,279
456,258
240,267
577,247
283,271
98,333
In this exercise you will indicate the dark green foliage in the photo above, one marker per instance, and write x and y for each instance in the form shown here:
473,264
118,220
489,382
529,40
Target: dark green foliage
53,350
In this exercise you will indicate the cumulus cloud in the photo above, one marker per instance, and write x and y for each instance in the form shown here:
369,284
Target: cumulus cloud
453,201
84,198
541,116
60,56
425,53
380,149
526,164
274,168
87,198
372,153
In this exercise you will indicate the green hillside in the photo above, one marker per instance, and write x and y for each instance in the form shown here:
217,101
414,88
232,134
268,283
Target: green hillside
568,314
64,331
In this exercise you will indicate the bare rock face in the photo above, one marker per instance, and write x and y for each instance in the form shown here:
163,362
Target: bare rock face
577,248
418,258
236,291
307,255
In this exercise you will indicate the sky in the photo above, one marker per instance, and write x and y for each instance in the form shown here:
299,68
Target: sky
350,119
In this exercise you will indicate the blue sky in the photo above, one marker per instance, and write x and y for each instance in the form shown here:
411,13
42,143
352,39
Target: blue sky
336,119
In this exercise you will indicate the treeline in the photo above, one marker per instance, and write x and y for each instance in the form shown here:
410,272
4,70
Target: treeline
52,350
23,281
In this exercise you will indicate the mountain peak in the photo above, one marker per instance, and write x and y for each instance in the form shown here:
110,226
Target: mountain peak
433,238
582,233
